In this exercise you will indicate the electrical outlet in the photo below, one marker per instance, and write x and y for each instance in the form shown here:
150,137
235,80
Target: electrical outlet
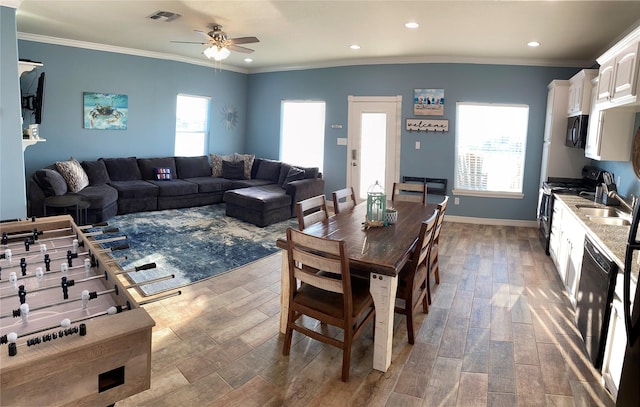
456,201
417,145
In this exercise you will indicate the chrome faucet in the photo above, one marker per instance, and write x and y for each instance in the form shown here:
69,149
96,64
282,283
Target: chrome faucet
634,200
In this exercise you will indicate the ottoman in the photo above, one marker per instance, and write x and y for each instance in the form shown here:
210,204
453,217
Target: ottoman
260,205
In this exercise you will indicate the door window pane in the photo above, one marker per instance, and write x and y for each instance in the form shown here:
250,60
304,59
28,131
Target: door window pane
490,147
192,125
302,139
373,151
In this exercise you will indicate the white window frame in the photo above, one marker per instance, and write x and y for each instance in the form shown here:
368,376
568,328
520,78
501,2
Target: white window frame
198,126
316,146
483,126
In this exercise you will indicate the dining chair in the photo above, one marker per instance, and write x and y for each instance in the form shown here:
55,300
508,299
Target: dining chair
343,199
409,192
330,297
311,210
412,279
434,266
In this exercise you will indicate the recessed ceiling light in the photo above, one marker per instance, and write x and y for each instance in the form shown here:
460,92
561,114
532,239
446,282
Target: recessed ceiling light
248,60
533,44
355,46
412,25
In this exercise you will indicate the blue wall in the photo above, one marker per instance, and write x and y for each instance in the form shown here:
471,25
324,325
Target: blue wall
151,85
12,190
461,82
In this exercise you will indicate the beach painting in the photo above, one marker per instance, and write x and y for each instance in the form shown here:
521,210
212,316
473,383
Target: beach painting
428,102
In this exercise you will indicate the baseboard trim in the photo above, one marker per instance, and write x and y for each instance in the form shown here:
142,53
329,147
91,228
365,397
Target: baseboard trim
490,221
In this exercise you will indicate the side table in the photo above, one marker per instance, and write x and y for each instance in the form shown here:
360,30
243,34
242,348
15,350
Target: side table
63,201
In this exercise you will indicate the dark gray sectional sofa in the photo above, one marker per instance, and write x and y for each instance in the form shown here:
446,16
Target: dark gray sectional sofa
127,185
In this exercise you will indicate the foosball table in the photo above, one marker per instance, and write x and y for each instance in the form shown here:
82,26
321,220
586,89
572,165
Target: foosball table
71,328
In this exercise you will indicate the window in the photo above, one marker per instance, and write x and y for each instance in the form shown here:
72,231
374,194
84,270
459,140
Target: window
192,125
490,149
302,138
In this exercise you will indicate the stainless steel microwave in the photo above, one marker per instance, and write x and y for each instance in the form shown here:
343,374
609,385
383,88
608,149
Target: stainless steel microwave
577,131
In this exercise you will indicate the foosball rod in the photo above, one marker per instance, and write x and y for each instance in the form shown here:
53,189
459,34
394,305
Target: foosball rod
147,266
48,239
116,310
150,281
36,232
94,294
58,286
85,255
160,297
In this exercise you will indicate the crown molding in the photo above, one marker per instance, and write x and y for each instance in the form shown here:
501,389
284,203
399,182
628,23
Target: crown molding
10,3
127,51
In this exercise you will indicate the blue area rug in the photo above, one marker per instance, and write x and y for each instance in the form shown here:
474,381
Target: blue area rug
192,243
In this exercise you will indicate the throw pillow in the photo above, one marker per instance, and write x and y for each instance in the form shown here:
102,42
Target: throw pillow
216,163
193,167
248,163
269,170
311,172
51,182
233,170
284,171
294,174
162,174
96,171
74,174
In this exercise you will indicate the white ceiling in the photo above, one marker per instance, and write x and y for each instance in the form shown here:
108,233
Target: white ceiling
318,33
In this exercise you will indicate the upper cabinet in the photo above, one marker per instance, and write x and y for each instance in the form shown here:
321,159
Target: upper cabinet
618,76
580,92
609,134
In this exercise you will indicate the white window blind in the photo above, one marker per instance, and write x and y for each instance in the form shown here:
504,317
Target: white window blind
490,149
192,125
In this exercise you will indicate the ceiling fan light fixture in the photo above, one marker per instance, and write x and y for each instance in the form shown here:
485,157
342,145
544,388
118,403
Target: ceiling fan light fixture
216,53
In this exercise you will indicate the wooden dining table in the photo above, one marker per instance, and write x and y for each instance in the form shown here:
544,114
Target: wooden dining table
380,251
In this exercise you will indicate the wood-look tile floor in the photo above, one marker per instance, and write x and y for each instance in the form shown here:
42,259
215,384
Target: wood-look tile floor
500,332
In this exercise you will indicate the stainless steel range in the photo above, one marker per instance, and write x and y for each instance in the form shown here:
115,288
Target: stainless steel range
591,176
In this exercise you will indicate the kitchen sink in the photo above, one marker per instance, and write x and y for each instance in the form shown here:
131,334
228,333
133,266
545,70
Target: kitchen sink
599,212
615,220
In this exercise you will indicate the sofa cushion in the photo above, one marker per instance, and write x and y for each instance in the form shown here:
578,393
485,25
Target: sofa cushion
99,196
284,170
310,172
248,163
135,189
122,169
176,187
211,184
148,165
294,174
246,183
262,198
73,173
216,163
193,167
233,170
269,170
96,171
51,182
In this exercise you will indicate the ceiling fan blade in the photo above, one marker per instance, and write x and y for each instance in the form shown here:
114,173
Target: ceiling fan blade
238,48
243,40
210,38
190,42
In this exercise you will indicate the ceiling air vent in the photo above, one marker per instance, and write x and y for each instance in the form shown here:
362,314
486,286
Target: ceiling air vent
167,15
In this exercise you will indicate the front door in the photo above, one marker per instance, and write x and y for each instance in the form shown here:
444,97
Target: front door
373,143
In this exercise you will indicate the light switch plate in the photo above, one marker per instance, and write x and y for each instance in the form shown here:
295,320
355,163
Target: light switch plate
342,141
417,145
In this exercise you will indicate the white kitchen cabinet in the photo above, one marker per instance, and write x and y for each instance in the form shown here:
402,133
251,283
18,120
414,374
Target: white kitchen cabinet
610,132
580,92
614,348
566,247
618,75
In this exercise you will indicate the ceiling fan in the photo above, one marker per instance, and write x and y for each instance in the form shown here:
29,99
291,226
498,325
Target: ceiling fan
219,45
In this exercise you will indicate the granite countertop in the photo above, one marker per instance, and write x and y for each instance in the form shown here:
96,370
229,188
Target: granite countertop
612,239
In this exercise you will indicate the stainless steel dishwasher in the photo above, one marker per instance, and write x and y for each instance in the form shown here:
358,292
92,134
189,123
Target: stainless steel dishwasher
595,293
